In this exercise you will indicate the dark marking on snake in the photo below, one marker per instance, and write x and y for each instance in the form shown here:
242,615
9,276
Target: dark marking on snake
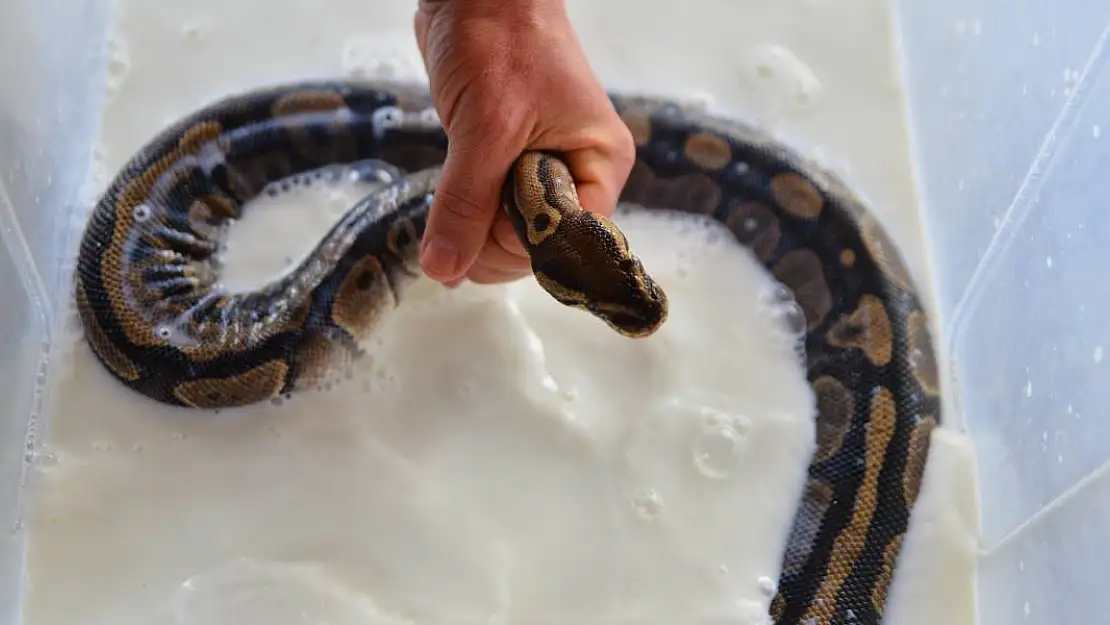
837,404
754,225
796,195
803,272
148,293
867,328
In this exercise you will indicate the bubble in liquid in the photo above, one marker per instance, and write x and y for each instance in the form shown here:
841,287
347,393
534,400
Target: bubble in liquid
776,293
791,318
377,57
783,76
647,504
778,304
717,450
767,586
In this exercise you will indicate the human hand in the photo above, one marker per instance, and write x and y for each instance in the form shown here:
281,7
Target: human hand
507,76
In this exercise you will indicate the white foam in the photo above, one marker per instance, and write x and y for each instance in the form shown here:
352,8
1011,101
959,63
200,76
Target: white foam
497,457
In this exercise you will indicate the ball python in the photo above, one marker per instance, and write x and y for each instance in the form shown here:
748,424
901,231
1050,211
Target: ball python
153,312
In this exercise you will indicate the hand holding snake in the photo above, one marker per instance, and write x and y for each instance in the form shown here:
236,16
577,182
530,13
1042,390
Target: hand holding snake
148,294
506,77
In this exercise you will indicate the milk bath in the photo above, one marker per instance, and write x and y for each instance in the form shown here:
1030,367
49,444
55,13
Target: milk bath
501,458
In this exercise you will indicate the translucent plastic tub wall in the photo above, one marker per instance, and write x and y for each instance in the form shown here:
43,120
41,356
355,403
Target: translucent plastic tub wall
50,69
1010,157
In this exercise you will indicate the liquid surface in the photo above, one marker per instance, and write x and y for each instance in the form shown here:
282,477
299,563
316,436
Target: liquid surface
500,458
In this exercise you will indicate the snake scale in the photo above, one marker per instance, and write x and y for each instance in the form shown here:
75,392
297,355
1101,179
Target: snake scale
148,296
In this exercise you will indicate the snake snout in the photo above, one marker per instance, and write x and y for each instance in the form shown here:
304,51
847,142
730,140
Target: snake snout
654,306
641,312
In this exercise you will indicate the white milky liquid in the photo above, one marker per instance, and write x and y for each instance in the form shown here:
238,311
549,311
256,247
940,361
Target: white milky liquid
500,458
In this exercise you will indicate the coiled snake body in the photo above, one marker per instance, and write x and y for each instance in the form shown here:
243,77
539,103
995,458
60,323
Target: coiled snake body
146,285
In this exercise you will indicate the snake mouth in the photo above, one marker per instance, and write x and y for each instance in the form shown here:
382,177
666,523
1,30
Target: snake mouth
636,322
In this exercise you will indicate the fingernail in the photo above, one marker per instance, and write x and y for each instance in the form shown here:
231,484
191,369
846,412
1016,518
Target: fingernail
440,258
453,284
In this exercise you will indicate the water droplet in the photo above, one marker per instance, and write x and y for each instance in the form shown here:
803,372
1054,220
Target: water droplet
791,317
141,213
915,357
717,450
767,586
648,504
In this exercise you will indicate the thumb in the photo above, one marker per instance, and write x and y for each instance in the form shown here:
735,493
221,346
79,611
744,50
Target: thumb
466,201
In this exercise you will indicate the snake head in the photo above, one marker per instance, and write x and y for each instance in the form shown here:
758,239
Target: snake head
580,258
590,267
636,307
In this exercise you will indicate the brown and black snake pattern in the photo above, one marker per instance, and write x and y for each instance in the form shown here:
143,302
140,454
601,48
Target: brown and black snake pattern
147,292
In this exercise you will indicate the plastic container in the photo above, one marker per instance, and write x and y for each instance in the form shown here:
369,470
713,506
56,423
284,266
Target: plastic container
1006,123
48,114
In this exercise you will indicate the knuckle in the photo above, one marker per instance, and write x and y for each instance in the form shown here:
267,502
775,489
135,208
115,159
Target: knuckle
460,207
624,148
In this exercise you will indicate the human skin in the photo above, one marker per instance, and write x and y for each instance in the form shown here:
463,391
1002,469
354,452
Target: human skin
507,76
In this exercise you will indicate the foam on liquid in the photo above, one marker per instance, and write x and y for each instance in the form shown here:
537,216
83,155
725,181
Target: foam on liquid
499,458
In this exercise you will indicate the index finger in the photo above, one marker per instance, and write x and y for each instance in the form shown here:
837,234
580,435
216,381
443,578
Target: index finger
602,172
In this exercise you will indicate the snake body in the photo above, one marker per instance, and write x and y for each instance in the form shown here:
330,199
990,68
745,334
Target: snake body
147,288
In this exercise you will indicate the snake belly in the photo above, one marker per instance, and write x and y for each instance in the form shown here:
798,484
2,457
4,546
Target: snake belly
147,292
